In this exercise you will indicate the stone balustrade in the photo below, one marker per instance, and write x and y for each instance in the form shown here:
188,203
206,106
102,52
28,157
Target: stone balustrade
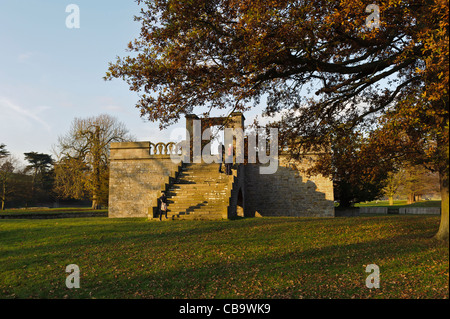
170,148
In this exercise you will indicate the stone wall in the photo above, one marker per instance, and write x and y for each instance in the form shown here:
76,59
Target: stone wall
288,192
420,210
237,198
373,210
137,178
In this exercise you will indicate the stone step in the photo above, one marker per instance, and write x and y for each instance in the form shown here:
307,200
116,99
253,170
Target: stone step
213,171
190,187
217,216
201,181
200,192
208,167
193,212
203,172
214,168
197,217
177,188
195,208
202,176
203,212
196,179
196,205
174,208
197,192
206,198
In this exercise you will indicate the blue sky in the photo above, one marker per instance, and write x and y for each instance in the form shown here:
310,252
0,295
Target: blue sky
50,74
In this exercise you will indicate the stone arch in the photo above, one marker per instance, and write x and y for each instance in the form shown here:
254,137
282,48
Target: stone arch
234,121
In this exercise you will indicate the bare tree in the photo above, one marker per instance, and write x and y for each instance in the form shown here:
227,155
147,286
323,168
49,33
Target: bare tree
83,156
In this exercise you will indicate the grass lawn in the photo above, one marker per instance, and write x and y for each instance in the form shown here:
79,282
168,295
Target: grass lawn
400,203
49,211
246,258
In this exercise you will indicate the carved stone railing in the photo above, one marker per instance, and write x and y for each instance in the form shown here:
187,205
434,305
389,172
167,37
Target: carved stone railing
170,148
145,150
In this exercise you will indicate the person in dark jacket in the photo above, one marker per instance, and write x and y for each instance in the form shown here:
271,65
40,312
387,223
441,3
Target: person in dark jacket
162,205
221,150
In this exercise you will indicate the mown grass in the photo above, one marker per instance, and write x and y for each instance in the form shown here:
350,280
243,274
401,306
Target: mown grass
45,210
400,203
246,258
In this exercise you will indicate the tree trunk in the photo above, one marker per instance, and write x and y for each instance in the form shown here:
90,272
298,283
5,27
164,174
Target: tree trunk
391,200
95,203
411,198
442,233
3,195
96,150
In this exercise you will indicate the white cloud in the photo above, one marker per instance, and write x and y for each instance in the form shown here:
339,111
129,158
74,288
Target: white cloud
15,112
24,57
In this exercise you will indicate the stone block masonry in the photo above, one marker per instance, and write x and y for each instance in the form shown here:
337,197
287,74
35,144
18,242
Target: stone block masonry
288,192
137,178
139,171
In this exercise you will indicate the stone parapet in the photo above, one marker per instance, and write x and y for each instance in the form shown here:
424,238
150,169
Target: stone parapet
137,178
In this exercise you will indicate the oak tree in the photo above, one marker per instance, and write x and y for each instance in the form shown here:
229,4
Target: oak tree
317,59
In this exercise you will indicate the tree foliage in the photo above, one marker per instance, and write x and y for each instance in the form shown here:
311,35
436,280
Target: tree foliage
318,60
8,166
226,53
40,166
3,151
83,166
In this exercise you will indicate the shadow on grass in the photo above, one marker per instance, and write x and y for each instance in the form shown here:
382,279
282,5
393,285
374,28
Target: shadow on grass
243,258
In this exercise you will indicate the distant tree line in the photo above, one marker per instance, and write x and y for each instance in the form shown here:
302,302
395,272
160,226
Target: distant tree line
26,185
79,172
361,172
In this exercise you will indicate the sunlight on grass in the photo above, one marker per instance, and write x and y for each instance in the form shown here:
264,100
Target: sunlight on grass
247,258
400,203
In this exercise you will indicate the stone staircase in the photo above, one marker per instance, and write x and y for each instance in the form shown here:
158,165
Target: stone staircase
200,192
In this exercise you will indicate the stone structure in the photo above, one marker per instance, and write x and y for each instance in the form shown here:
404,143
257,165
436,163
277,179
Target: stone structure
140,171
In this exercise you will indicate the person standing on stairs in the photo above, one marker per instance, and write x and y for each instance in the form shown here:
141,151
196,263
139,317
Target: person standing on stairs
229,160
221,150
162,205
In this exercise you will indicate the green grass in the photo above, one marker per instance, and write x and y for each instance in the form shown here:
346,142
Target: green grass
245,258
49,210
400,203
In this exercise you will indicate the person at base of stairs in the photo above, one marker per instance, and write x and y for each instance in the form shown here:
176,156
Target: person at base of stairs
162,205
221,150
